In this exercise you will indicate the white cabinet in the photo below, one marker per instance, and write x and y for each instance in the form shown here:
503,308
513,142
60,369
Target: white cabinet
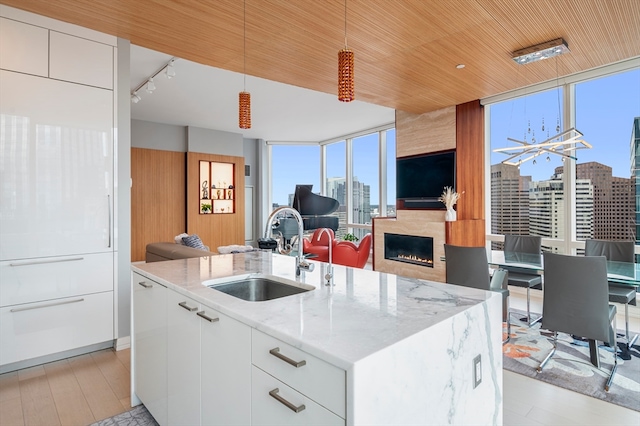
317,379
24,48
150,341
80,60
225,370
183,357
56,168
26,281
274,403
35,329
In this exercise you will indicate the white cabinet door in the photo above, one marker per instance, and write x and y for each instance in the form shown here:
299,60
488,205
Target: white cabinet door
24,48
183,360
80,60
26,281
150,345
56,168
274,403
36,329
226,370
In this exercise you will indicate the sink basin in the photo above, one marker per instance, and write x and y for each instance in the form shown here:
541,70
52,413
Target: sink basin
258,288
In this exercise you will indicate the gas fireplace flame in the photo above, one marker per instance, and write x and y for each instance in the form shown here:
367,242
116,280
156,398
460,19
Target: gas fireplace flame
414,258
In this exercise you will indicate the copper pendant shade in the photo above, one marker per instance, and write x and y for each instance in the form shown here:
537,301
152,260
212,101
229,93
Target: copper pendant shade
244,110
346,91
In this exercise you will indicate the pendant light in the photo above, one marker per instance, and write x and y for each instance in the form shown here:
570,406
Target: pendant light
345,67
244,97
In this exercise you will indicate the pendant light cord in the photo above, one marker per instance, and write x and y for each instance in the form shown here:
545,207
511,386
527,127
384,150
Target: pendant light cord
558,93
345,24
244,45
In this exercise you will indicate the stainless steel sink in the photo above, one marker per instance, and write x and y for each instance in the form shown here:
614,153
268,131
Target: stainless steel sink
258,288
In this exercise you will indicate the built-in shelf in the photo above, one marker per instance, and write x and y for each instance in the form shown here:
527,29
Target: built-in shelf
217,190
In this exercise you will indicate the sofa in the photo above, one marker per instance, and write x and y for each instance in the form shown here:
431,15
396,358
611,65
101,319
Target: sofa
156,252
318,244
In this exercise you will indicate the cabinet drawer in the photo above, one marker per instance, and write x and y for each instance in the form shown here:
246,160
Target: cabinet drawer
24,48
80,60
316,379
34,280
36,329
267,410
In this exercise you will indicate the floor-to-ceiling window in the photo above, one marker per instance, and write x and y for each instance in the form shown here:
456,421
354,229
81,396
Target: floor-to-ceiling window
586,193
359,172
292,165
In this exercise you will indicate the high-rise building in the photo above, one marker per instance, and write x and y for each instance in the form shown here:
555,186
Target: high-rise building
613,201
360,203
509,201
546,209
635,175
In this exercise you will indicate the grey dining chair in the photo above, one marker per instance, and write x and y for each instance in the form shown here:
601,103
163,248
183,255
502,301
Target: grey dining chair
616,251
468,267
521,277
575,302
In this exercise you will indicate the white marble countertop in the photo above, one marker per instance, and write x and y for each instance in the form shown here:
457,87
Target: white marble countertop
362,313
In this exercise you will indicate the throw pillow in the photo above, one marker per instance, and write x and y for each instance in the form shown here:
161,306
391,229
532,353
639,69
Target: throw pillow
178,238
194,241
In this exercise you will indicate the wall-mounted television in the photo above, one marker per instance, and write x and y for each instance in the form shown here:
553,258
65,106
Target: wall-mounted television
420,179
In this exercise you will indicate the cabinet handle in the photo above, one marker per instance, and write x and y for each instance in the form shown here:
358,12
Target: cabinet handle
109,219
41,262
187,307
274,394
297,364
201,314
46,305
145,285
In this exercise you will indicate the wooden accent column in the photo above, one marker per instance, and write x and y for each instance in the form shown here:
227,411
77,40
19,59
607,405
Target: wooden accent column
469,229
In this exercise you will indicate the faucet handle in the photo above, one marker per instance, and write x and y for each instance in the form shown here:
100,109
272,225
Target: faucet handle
306,265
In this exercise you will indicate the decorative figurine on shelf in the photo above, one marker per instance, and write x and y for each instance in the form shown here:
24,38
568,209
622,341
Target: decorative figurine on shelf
205,190
230,186
229,192
219,192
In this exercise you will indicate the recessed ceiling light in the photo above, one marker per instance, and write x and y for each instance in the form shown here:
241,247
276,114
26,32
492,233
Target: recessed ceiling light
460,66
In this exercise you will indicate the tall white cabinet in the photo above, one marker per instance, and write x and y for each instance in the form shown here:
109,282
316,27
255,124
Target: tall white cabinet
57,190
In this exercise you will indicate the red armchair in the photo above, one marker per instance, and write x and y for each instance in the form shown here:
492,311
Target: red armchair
348,254
319,244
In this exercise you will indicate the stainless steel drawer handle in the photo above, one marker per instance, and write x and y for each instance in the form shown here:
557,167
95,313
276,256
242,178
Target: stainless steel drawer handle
42,262
297,364
202,314
46,305
145,285
274,394
187,307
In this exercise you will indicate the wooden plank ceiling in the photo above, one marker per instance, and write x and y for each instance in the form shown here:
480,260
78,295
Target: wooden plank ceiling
406,51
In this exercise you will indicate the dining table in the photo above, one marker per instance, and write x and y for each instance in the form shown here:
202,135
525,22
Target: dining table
622,273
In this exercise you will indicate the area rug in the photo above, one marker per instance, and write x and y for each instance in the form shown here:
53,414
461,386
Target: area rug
570,367
137,416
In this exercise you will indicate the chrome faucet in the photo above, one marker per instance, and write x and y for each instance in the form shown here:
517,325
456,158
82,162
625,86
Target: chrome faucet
301,262
329,275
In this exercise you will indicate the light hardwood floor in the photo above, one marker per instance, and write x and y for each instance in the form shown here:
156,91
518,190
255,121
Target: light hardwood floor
87,388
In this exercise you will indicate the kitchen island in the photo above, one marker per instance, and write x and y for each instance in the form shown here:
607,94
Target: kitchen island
374,348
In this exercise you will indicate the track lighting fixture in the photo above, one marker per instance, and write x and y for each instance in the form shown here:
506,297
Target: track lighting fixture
149,84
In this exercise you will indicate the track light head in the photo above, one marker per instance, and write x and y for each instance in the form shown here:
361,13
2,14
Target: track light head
135,98
169,71
150,85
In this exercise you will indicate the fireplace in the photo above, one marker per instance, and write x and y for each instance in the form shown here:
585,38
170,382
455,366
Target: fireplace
409,249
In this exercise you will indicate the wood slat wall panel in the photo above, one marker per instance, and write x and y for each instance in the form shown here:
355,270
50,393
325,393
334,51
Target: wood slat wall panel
215,229
158,211
406,51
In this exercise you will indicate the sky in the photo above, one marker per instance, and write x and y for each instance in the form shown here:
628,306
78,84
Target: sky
605,111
